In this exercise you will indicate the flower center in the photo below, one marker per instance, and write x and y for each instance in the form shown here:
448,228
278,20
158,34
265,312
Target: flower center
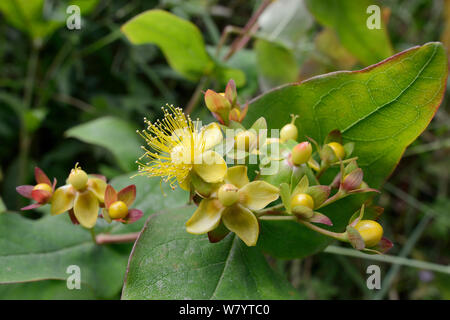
228,194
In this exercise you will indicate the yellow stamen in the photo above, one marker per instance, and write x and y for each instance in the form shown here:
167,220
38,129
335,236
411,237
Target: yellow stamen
173,144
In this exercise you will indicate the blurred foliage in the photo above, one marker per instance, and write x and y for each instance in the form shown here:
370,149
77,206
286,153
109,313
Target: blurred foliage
78,95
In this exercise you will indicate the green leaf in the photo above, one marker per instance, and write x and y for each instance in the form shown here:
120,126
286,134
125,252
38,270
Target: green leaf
32,250
382,109
45,290
116,135
349,19
180,40
28,15
277,64
169,263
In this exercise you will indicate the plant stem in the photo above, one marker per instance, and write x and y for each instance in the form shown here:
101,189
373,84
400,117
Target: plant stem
269,210
338,236
280,218
93,235
24,136
117,238
389,259
339,195
196,95
250,27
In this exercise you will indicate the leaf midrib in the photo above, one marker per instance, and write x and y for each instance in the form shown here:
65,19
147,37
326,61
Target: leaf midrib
224,266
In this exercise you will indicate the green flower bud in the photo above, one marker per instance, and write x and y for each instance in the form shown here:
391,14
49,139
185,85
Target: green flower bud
228,194
301,153
289,131
78,178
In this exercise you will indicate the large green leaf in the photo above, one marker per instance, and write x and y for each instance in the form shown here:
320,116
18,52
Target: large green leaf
180,40
182,44
33,250
349,19
169,263
382,109
116,135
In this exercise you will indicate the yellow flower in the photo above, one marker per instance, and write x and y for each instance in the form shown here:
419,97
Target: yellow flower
82,196
233,205
177,146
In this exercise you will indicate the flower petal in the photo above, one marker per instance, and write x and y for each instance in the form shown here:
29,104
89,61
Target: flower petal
25,191
185,184
133,216
31,206
41,177
86,208
211,167
258,194
212,135
127,195
110,196
206,217
98,187
243,222
41,196
237,176
62,199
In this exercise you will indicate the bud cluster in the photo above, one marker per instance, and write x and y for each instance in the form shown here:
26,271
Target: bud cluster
275,178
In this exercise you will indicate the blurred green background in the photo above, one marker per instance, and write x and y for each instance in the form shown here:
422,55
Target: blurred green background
66,96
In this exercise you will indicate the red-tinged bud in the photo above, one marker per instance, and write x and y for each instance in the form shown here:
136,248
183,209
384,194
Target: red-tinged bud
230,92
235,115
217,103
353,180
301,153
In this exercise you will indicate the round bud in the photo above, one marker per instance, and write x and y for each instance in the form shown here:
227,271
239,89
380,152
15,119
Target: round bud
301,153
245,139
78,179
118,210
338,149
302,199
228,194
371,232
43,186
288,132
